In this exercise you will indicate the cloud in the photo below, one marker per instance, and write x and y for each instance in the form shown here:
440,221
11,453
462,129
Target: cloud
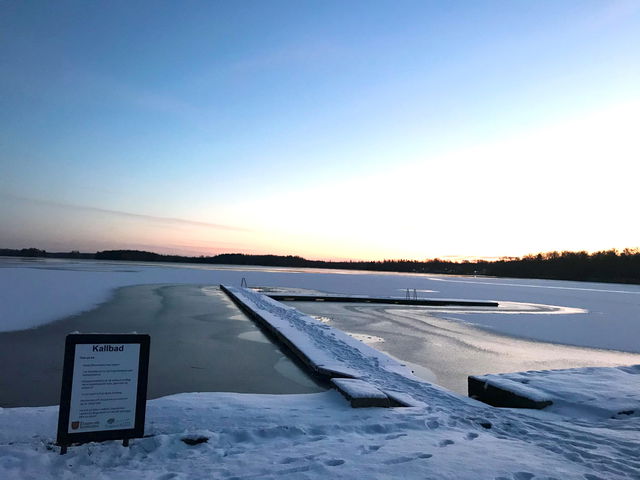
120,213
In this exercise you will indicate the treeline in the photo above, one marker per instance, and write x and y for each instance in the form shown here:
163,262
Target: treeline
619,266
604,266
36,252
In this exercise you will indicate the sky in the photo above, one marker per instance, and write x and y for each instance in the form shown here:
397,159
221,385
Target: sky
330,130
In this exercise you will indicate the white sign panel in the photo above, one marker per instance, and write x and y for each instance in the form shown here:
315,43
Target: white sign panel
105,380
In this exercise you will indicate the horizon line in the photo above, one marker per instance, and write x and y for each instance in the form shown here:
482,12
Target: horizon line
446,258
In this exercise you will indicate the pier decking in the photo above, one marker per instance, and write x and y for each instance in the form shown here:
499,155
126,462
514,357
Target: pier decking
431,302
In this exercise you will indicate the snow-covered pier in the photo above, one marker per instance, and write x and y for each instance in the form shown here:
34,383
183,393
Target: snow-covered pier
294,330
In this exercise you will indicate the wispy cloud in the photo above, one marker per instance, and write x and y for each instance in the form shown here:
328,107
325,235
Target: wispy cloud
123,214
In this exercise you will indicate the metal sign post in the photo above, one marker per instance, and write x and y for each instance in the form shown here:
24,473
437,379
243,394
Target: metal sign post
104,388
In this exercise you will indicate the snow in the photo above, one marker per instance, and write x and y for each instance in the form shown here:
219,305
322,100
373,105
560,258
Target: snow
519,388
317,436
589,392
355,388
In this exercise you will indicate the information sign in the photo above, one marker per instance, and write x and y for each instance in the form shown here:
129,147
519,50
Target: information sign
104,388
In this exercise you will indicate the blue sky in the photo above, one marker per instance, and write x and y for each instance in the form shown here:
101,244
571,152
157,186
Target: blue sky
325,129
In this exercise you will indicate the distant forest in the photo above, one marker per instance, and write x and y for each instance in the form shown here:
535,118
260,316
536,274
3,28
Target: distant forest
618,266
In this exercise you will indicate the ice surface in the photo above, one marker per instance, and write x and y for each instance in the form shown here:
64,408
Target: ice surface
452,350
34,293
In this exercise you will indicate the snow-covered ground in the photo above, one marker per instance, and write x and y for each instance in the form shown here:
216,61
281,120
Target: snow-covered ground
443,436
319,436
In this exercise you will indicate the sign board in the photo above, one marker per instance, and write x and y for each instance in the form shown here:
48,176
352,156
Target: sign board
104,388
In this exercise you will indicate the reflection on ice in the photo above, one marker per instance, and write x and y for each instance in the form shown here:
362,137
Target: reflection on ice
254,336
446,350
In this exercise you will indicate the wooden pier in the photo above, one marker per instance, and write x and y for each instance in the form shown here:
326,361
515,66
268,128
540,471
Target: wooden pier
429,302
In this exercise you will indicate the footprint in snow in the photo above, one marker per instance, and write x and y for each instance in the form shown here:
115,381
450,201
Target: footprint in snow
419,456
523,476
334,463
471,436
294,470
395,461
366,449
394,436
444,443
432,424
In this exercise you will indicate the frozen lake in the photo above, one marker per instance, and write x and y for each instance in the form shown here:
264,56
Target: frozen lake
598,324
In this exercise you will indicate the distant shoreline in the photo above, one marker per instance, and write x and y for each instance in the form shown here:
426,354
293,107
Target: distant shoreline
608,266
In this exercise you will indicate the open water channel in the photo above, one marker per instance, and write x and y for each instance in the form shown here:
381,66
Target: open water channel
200,342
